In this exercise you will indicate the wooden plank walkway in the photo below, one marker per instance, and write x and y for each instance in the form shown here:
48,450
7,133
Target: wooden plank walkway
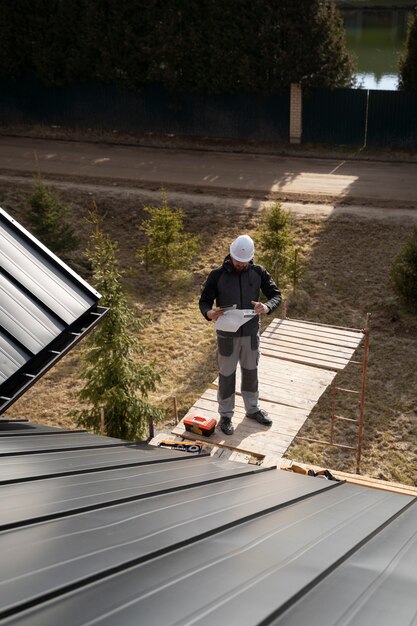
299,360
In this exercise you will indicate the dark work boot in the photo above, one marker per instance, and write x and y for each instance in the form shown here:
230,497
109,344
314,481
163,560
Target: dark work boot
260,416
226,425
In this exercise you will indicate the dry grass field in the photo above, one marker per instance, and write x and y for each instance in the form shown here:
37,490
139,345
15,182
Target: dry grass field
347,261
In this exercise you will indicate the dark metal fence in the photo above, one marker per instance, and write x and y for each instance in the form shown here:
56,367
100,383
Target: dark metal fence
336,117
150,110
360,117
343,116
392,119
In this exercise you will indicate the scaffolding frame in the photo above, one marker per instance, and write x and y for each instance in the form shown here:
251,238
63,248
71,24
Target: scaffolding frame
361,392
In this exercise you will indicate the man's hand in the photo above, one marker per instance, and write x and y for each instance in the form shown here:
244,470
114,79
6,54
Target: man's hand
214,314
259,307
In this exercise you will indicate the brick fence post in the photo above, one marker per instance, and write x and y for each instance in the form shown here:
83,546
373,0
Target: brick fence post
296,113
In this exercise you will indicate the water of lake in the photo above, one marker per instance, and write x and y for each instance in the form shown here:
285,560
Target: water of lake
376,37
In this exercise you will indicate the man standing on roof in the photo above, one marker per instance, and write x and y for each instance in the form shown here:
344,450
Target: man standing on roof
239,282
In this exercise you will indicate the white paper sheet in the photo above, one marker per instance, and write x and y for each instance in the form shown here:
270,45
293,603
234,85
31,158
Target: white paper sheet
232,320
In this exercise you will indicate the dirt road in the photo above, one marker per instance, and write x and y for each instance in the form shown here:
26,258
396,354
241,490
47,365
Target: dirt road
243,175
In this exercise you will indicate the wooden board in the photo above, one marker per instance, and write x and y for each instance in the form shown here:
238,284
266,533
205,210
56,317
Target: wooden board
325,334
326,347
307,345
302,357
325,329
356,479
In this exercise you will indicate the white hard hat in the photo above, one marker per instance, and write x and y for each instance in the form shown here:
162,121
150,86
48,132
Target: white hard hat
242,249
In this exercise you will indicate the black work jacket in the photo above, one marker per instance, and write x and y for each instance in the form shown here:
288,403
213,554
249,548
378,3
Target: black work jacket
227,287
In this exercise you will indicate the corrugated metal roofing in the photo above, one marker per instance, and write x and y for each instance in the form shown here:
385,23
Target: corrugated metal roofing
45,308
190,539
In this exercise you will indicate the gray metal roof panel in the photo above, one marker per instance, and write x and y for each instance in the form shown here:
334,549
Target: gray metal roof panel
13,427
75,440
31,467
239,575
376,585
12,357
25,319
109,538
40,272
28,502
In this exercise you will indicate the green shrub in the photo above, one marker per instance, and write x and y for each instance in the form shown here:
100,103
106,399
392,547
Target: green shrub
275,243
48,220
404,273
167,246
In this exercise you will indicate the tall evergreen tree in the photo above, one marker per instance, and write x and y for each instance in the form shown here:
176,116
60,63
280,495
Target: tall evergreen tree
117,377
209,47
12,49
39,37
315,51
262,46
408,61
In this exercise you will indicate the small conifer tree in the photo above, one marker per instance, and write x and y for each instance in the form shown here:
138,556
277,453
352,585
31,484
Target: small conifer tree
48,220
275,241
167,246
117,378
404,273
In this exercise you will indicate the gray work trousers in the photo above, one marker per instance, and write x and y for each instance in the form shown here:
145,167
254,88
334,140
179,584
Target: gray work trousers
230,352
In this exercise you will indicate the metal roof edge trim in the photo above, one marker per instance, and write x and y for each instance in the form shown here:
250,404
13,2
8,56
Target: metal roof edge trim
96,313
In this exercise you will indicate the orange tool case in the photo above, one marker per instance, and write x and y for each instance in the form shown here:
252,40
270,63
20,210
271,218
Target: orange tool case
200,425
